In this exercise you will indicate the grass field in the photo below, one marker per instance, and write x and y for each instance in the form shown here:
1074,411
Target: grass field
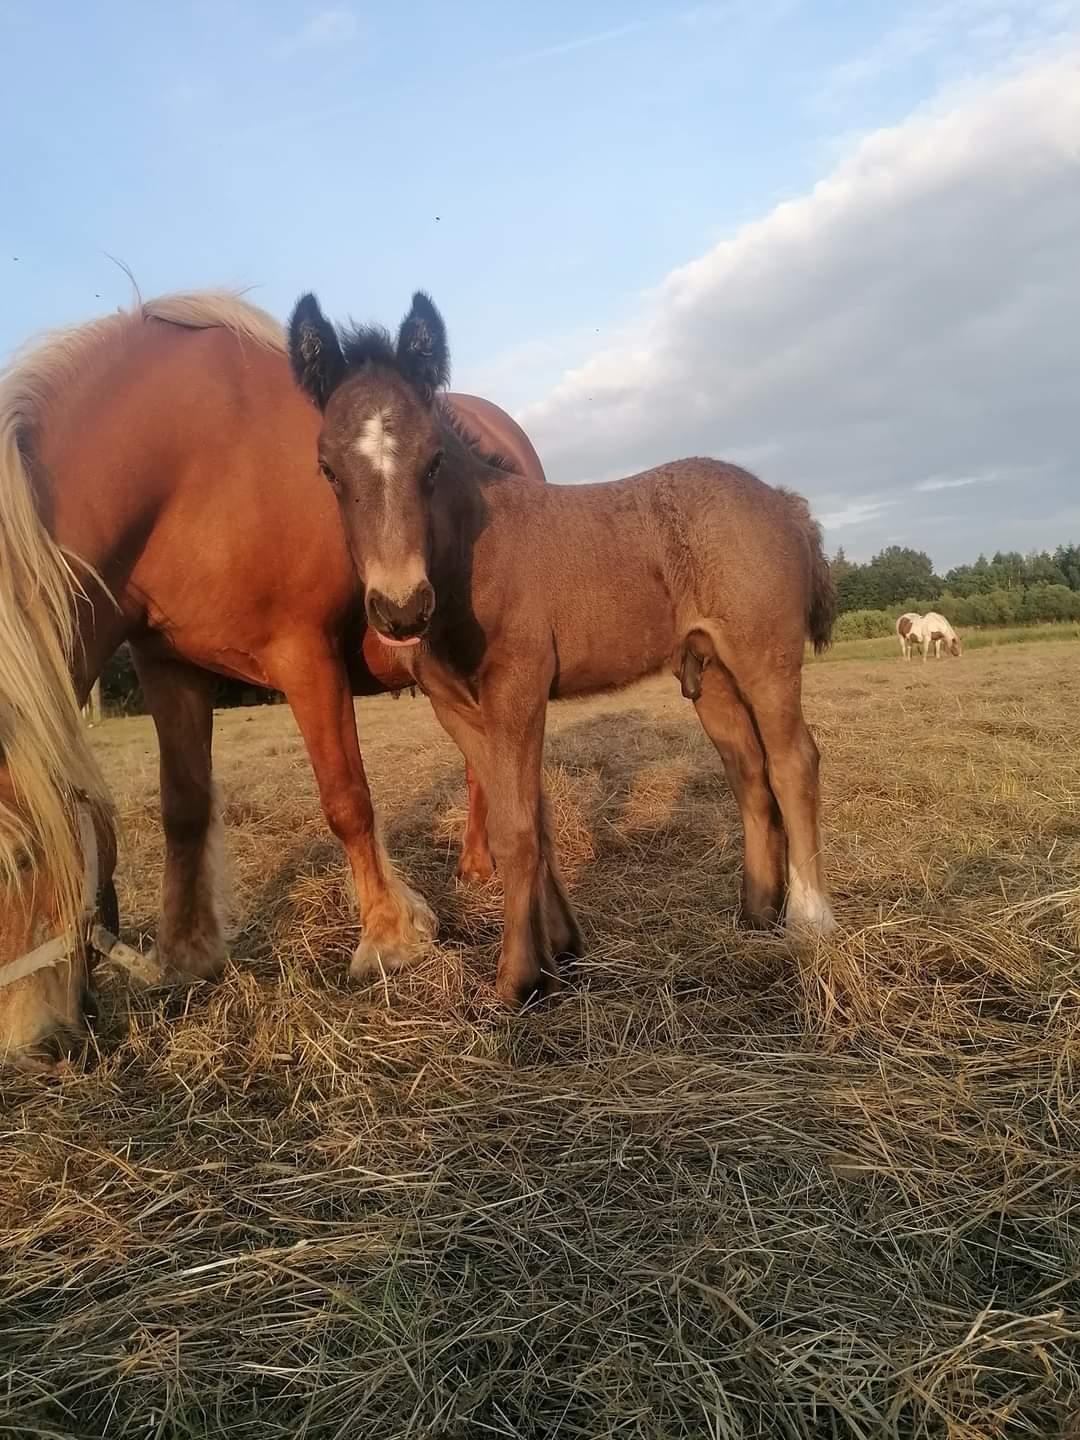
992,638
724,1189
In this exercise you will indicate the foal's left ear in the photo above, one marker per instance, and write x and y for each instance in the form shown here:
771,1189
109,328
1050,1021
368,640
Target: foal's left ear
422,352
318,365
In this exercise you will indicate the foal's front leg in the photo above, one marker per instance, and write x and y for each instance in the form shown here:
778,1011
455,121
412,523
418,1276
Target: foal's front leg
502,738
513,707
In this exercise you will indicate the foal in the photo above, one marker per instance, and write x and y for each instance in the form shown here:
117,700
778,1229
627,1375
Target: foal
502,594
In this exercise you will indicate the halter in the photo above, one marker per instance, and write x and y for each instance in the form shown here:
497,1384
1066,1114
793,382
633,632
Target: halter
61,948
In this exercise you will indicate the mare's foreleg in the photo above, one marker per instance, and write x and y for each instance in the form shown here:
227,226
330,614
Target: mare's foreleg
396,923
191,928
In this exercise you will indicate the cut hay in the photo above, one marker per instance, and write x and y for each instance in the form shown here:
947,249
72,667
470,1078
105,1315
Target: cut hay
724,1189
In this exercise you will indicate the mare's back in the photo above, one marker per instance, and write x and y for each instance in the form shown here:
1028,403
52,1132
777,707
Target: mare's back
199,444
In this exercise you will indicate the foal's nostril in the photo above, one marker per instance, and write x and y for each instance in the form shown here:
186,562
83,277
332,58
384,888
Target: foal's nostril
425,598
377,611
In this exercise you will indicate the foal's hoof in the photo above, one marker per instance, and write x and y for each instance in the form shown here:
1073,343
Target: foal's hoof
760,920
815,924
190,959
519,994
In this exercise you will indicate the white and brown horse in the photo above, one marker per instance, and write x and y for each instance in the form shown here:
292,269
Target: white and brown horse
905,627
931,632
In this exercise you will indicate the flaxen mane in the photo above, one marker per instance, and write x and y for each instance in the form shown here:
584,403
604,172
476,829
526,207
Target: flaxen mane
44,743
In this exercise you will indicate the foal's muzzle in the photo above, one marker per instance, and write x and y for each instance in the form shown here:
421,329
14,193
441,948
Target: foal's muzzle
401,622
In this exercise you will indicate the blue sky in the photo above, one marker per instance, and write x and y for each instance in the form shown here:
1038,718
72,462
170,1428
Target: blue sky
542,170
573,154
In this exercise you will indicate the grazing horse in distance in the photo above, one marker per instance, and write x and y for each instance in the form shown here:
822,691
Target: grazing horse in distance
935,632
156,486
904,628
502,594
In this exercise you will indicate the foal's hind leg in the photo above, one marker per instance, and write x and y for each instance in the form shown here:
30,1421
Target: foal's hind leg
190,935
728,725
773,694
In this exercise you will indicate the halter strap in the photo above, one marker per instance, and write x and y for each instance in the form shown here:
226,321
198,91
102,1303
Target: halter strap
60,949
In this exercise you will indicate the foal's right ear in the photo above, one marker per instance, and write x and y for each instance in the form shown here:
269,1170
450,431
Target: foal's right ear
318,365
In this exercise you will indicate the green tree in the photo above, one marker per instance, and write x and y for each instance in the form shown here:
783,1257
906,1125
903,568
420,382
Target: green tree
898,572
1067,560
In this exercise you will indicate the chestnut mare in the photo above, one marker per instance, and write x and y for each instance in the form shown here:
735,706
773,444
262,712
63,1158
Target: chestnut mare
503,594
165,454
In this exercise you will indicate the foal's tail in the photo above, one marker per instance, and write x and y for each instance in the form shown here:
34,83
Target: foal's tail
822,605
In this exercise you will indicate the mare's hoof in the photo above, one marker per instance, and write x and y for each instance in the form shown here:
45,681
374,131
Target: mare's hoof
373,958
474,872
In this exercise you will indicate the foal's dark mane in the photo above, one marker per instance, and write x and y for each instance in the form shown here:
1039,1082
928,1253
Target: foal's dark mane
367,344
372,345
492,458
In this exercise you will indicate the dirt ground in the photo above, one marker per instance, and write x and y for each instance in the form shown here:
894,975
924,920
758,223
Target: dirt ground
725,1188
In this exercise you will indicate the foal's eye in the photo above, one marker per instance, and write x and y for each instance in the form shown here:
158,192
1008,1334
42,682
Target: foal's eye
328,475
433,470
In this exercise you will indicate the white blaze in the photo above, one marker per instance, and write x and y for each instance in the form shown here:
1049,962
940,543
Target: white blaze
377,445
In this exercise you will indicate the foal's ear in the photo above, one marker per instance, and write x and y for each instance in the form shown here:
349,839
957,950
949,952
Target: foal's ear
318,365
422,352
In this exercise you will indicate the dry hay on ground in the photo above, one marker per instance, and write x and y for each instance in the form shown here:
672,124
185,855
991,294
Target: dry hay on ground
723,1190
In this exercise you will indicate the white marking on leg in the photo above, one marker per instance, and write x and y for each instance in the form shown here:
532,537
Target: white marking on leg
215,876
417,928
377,445
807,908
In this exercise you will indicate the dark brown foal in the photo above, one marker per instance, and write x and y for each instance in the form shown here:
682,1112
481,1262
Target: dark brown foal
502,595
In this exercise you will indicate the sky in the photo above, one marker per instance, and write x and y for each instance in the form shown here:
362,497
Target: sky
836,243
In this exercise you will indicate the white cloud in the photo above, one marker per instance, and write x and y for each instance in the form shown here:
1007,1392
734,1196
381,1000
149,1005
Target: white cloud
916,317
855,512
950,482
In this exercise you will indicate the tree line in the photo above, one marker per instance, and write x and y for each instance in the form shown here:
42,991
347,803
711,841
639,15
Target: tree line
1008,589
122,695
